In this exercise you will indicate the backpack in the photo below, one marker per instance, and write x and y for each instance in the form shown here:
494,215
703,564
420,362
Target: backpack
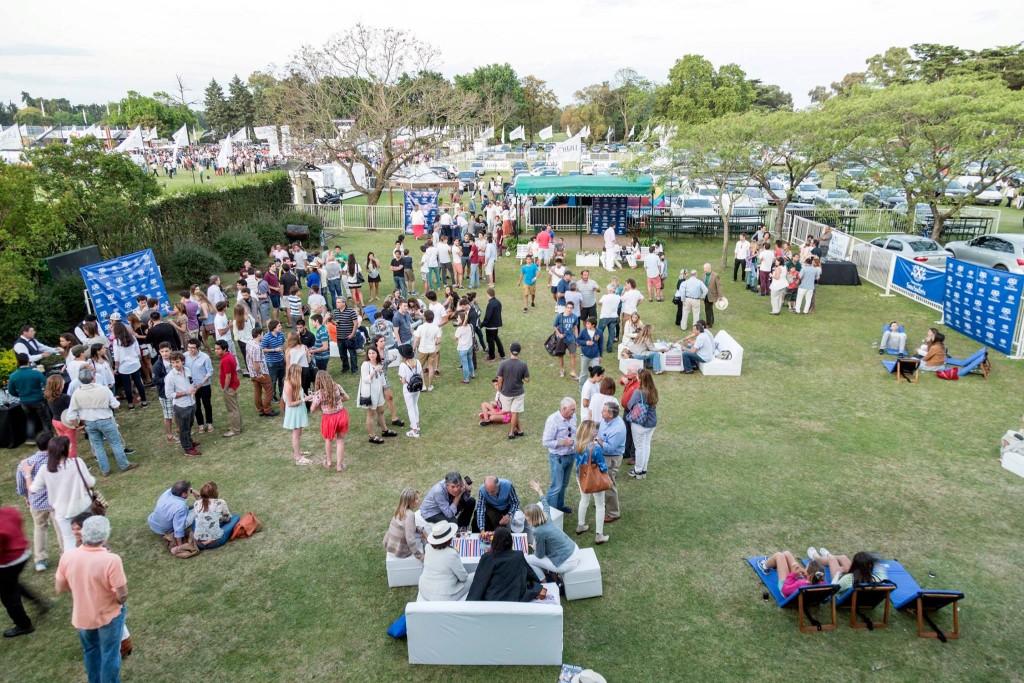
414,383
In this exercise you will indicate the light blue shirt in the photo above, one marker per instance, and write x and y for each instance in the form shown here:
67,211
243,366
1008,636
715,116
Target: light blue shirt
693,288
557,428
704,346
170,513
613,436
200,367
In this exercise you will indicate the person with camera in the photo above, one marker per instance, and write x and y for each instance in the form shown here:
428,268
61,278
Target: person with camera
170,518
450,500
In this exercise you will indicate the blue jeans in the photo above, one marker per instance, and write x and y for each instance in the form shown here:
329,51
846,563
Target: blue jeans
561,472
690,361
106,430
400,284
265,310
101,650
654,357
226,529
474,275
466,357
433,273
334,289
608,328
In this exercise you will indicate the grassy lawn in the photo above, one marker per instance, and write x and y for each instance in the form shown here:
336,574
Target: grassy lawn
814,444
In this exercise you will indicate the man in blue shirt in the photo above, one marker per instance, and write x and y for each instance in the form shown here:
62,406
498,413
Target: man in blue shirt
170,517
200,367
567,328
611,434
589,341
38,503
497,504
528,281
273,351
449,500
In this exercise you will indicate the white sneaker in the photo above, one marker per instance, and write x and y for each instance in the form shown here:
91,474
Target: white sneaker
812,552
824,553
412,434
601,538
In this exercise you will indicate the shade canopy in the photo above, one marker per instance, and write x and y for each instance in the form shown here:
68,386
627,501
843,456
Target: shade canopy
585,186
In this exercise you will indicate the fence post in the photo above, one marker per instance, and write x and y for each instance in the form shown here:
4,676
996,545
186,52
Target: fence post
892,271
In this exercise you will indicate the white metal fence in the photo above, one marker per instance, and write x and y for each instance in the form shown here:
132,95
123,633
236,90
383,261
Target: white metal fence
339,217
560,217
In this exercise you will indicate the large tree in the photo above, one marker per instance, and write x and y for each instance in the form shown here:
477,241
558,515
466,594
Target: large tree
919,136
240,105
632,98
29,231
160,110
385,78
216,109
697,92
498,91
99,198
540,105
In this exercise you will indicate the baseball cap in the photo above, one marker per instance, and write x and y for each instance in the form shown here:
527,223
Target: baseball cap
515,348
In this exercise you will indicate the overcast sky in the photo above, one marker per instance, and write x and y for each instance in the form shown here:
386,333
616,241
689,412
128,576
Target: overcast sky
91,54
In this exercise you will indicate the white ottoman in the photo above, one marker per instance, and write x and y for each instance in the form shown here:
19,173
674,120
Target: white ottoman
402,571
585,580
556,516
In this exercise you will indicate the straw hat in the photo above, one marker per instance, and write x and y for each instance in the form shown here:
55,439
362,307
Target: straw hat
442,533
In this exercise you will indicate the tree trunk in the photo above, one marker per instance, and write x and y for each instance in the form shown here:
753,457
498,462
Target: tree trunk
371,206
725,242
940,220
780,219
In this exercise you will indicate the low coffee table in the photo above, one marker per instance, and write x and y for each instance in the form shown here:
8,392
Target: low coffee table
470,549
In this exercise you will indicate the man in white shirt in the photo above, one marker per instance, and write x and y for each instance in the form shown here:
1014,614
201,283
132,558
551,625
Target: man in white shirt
446,223
608,318
432,262
222,327
764,269
28,345
556,272
426,339
631,298
444,259
741,254
652,264
316,302
94,405
214,292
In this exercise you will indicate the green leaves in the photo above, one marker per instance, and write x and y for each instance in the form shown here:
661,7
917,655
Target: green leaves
28,231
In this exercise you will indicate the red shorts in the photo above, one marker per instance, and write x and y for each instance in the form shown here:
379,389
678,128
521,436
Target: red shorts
335,425
654,282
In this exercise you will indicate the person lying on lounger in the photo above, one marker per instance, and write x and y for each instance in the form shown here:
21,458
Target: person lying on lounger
893,339
845,572
792,575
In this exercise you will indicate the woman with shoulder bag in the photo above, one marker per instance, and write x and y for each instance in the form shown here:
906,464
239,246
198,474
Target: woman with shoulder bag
371,395
642,421
589,452
68,485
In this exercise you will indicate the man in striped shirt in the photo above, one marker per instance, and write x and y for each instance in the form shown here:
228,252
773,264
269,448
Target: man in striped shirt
273,348
259,373
322,344
345,320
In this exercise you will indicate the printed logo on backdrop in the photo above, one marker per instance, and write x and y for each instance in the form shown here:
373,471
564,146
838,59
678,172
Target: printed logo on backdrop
427,199
982,303
606,211
927,283
114,285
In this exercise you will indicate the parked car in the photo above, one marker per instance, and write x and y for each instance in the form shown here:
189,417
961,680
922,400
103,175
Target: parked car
835,199
990,196
601,170
615,168
779,190
923,213
806,192
754,197
741,216
587,168
709,192
445,172
856,172
813,177
694,206
921,249
466,179
884,198
954,190
477,167
516,165
1002,251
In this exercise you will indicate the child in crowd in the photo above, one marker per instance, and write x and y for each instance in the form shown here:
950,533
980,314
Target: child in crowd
295,416
492,412
330,398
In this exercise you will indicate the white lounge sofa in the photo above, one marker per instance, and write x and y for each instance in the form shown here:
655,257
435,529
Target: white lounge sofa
485,633
724,368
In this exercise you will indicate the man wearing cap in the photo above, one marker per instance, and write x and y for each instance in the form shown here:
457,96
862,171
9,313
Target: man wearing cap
497,505
99,589
559,438
449,500
512,377
713,284
691,293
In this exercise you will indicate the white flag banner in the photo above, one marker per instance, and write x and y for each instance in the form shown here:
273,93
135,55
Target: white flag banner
132,142
503,135
488,133
545,133
225,153
568,132
585,132
10,139
647,133
517,134
286,140
241,136
632,132
181,137
611,132
569,150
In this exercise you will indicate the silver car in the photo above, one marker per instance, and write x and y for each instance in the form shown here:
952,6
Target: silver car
914,247
1002,252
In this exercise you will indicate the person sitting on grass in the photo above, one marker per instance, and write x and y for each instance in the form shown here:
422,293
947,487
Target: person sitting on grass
491,413
845,572
504,575
933,351
894,340
214,522
792,575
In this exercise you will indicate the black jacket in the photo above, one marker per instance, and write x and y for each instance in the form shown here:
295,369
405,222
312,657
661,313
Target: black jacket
159,375
163,332
492,314
505,577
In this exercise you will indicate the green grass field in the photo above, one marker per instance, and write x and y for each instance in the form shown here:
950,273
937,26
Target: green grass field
814,444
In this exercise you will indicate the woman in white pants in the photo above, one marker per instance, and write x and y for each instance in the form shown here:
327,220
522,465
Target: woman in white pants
588,450
777,287
643,430
553,552
409,367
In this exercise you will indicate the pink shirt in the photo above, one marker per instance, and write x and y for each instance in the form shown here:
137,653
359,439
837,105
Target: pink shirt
792,584
543,239
94,574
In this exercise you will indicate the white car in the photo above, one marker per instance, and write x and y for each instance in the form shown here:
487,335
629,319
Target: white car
806,192
754,197
694,206
710,192
779,189
990,196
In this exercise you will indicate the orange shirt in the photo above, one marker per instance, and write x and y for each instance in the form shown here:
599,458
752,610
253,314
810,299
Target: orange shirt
94,574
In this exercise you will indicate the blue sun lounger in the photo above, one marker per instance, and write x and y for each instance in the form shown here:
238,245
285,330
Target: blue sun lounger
910,596
863,597
975,361
802,600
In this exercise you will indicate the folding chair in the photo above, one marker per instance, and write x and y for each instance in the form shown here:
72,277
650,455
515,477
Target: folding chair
910,596
905,369
370,312
864,597
802,600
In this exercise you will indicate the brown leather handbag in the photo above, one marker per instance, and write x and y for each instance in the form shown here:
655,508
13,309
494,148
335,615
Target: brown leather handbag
592,479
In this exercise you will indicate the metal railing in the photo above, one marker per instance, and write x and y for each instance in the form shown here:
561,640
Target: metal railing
340,217
559,217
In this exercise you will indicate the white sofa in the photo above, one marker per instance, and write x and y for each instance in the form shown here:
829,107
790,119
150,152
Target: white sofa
485,633
727,368
1013,462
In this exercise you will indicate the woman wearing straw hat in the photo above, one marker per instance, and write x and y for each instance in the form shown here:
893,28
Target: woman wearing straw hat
443,577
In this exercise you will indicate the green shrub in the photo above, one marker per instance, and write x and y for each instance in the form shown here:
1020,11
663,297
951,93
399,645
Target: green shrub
57,308
8,364
236,246
315,223
191,264
269,231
